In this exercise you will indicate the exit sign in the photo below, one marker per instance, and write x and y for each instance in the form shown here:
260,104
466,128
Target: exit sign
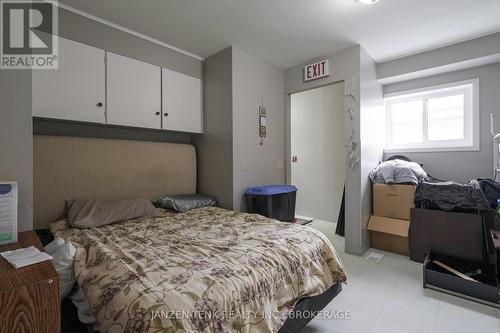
317,70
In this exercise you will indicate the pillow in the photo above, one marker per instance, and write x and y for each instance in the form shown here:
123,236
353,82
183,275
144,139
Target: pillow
59,226
63,256
96,213
184,202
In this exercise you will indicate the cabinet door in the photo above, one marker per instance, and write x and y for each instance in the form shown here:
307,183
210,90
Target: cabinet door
74,91
182,102
134,92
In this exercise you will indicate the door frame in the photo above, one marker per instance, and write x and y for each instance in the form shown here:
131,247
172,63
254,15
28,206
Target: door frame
288,130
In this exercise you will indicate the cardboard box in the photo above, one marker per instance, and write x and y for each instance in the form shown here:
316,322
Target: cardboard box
389,234
394,201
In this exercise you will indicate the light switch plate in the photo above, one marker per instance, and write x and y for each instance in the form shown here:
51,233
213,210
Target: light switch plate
244,166
279,164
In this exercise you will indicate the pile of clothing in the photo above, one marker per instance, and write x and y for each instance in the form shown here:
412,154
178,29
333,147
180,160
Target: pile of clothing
431,193
451,196
398,172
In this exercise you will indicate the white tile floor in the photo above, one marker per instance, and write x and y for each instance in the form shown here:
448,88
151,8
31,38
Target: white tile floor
388,297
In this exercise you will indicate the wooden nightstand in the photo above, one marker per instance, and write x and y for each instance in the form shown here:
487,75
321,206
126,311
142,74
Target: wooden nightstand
29,296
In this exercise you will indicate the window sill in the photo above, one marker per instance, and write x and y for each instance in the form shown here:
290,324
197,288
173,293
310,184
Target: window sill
431,149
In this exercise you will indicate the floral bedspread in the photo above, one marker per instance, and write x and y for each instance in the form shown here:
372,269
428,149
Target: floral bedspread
208,270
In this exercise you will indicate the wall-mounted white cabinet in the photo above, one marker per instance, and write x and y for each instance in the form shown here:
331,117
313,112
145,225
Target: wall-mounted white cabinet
92,85
182,102
76,90
134,92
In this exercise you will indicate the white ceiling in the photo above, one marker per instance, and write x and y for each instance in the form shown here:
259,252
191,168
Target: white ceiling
289,32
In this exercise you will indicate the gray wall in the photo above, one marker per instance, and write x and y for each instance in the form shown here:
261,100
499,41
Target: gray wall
215,146
235,83
373,134
16,141
254,81
462,166
43,126
468,54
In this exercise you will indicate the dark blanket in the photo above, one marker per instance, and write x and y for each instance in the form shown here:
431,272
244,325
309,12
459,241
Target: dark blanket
450,196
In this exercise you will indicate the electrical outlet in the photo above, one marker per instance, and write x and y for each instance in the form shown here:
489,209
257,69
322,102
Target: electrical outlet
279,164
244,166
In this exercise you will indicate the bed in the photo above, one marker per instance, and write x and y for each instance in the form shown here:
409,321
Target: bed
206,270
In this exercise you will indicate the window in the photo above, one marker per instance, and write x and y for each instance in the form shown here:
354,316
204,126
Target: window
439,118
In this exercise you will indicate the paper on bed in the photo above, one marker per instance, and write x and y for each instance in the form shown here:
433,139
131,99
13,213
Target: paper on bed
25,256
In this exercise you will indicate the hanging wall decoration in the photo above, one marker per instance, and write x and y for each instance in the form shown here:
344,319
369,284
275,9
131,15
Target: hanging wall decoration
262,122
352,150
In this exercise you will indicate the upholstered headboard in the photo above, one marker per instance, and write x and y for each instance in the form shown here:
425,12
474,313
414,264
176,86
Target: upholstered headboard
66,168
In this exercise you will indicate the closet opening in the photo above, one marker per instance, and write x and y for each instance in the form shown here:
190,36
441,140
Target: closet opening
317,163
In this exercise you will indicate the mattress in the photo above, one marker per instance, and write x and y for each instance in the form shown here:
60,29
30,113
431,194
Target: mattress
207,270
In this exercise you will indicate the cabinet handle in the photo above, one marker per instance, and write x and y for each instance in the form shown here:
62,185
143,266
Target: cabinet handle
99,105
165,114
157,113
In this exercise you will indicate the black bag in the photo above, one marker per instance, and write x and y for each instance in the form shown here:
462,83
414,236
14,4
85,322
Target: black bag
491,190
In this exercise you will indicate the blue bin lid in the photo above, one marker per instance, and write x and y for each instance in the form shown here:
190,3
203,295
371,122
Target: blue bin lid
270,189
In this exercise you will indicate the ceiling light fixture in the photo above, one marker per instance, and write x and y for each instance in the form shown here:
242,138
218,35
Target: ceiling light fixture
368,2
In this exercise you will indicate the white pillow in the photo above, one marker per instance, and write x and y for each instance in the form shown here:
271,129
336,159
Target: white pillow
63,258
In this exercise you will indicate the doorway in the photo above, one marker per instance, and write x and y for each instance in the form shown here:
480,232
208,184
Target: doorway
317,163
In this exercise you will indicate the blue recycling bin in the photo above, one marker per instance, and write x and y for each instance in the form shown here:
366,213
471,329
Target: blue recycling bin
273,201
